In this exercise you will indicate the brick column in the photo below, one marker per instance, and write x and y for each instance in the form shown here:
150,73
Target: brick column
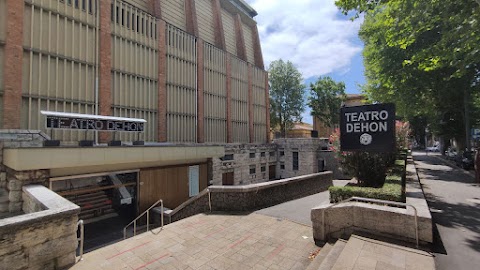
156,8
250,104
267,103
105,65
218,24
162,81
229,99
257,48
240,40
200,103
13,60
191,17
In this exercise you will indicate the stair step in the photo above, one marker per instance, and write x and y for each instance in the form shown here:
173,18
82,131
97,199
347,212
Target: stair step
95,204
93,210
315,264
331,258
95,219
86,199
365,253
85,196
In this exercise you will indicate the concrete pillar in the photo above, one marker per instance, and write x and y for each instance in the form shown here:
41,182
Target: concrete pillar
240,40
191,17
218,25
251,132
200,86
229,99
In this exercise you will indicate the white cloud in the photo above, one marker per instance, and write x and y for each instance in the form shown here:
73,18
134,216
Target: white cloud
309,33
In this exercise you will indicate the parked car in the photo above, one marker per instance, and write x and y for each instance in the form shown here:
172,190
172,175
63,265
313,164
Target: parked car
465,160
435,148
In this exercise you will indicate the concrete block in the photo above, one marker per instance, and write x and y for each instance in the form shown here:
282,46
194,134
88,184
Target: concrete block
15,196
14,261
15,185
15,207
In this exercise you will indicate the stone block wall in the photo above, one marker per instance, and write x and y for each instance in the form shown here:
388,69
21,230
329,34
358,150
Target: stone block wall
252,197
307,149
345,218
43,238
242,163
332,164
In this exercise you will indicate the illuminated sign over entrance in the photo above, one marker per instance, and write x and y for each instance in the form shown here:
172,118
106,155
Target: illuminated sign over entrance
60,120
368,128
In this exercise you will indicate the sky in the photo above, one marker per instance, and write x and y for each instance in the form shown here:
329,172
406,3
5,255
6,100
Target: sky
315,36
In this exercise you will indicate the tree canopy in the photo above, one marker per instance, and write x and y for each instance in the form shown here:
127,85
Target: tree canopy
325,99
424,55
286,95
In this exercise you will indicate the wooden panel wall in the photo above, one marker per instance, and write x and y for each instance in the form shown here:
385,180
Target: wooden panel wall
181,86
247,35
58,62
229,31
205,20
169,184
134,68
259,106
173,12
240,101
215,94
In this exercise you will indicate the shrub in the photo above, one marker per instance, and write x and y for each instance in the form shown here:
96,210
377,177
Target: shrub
392,189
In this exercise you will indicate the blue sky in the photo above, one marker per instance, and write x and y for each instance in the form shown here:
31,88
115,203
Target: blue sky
315,37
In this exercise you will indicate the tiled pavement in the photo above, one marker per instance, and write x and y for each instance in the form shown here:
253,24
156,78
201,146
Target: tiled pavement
211,241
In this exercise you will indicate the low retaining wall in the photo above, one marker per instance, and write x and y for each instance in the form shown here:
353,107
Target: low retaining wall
252,197
45,237
345,218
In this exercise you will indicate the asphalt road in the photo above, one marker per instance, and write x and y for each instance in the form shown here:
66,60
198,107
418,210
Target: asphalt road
454,201
299,210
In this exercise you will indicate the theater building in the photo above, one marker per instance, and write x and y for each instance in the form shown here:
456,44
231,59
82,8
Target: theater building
180,81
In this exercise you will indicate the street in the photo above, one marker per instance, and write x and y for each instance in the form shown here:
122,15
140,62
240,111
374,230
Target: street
454,201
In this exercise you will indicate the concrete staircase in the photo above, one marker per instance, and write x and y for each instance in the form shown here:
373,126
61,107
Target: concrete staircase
365,253
94,206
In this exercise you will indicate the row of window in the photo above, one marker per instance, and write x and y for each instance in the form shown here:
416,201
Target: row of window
83,4
133,21
253,168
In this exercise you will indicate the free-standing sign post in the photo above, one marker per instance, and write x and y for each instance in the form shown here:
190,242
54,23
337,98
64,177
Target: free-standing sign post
368,128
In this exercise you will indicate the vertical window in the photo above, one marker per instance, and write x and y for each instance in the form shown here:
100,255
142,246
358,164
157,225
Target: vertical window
123,17
117,15
262,154
282,153
128,19
263,168
252,169
252,154
282,166
76,3
295,161
138,21
84,3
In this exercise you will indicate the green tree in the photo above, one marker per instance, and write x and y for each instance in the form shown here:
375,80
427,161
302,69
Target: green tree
326,97
423,55
286,95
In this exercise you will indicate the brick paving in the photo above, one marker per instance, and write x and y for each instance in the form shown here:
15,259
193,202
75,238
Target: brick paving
211,241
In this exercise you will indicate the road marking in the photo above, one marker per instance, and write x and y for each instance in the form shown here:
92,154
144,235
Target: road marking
241,240
118,254
150,262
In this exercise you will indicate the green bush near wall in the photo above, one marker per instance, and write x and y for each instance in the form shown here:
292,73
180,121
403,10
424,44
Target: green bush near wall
392,189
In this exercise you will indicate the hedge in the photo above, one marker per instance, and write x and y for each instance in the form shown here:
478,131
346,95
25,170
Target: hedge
392,189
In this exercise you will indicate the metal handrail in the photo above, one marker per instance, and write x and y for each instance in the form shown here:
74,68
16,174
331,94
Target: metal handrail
81,238
134,222
361,199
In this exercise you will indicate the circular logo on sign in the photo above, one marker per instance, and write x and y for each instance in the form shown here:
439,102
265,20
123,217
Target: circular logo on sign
366,139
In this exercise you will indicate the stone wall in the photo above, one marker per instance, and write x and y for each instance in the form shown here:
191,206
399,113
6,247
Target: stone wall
332,164
346,218
242,162
11,184
307,155
42,238
252,197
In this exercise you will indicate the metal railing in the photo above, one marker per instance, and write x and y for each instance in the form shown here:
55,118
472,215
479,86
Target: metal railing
81,238
360,199
147,212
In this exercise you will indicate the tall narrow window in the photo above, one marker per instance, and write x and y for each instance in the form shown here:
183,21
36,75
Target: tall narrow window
295,161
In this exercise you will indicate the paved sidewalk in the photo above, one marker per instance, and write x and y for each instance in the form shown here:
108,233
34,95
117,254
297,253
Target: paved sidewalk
454,200
211,241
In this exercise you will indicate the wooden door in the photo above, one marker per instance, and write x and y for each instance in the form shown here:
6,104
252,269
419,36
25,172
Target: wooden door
228,179
272,172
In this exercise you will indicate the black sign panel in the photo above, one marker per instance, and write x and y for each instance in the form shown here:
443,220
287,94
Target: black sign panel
93,124
368,128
